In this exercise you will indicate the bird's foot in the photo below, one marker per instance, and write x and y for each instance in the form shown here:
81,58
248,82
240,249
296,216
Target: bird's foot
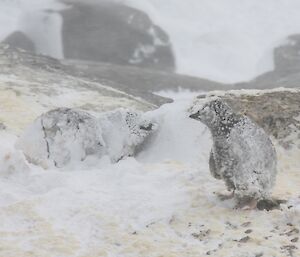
224,197
249,204
270,204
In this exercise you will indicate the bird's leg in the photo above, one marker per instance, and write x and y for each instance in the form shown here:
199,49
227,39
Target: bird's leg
224,197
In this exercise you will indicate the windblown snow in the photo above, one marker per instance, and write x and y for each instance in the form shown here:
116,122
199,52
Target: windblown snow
37,19
227,41
161,203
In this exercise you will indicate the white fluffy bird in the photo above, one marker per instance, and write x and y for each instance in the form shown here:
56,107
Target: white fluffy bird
242,154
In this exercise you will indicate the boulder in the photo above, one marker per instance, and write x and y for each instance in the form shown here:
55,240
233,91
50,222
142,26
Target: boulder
114,33
62,136
286,71
124,131
20,40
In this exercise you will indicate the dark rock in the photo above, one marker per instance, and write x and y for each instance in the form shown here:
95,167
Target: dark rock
114,33
286,72
294,231
141,82
202,234
61,136
244,239
2,126
246,224
268,204
289,249
20,40
276,112
287,56
259,254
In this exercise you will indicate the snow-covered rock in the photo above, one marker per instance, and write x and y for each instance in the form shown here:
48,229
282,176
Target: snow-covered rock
124,132
12,161
61,136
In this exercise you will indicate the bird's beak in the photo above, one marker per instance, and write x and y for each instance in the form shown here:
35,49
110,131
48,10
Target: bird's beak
147,128
194,116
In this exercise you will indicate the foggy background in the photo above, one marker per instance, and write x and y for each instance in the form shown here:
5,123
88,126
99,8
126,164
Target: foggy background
223,41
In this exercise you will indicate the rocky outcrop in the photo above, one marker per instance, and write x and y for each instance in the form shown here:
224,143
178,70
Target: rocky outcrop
286,71
100,31
31,85
20,40
277,111
114,33
141,82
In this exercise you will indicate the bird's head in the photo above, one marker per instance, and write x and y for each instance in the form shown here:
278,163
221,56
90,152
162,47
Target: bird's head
211,112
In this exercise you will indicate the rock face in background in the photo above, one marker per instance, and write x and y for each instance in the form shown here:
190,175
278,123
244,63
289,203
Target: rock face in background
60,136
121,47
141,82
287,57
20,40
114,33
100,32
286,71
31,85
278,112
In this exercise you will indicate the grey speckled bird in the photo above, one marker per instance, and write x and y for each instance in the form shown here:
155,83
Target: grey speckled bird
242,154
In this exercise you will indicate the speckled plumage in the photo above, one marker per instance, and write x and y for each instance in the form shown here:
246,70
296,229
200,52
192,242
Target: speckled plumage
242,154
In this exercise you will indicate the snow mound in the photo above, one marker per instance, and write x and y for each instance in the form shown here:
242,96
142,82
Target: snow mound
124,131
161,203
12,161
65,136
61,136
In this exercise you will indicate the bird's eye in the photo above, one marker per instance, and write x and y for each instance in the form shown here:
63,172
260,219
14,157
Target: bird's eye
147,128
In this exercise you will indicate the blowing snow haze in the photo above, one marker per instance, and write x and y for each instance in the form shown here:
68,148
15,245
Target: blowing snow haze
228,42
99,155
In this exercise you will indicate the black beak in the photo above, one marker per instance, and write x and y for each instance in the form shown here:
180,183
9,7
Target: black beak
148,128
194,116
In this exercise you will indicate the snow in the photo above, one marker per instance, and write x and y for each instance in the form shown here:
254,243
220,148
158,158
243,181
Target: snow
160,203
38,20
67,136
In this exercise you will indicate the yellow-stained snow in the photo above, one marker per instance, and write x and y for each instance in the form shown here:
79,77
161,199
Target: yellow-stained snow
137,208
